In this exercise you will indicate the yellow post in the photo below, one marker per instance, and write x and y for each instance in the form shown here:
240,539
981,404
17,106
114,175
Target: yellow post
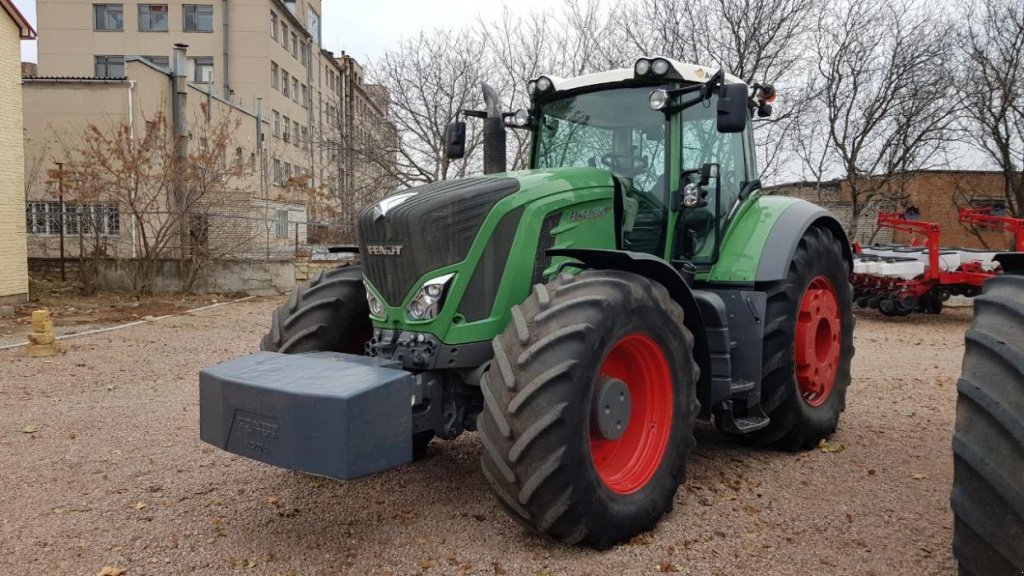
41,341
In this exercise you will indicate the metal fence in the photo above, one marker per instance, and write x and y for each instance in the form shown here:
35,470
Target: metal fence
266,232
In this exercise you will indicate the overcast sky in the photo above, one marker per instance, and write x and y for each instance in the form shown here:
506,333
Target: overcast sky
365,28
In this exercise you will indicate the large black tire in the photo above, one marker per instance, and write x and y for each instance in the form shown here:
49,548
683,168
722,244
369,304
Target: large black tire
796,422
538,392
329,313
988,445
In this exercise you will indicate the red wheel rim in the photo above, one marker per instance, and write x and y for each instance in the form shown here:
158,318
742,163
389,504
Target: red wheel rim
626,464
818,341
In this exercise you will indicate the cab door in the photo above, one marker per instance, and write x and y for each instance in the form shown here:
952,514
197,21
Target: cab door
721,165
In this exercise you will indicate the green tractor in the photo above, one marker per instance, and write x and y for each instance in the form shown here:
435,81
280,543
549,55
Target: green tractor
580,315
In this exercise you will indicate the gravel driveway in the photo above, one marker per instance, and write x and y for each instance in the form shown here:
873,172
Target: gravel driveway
115,476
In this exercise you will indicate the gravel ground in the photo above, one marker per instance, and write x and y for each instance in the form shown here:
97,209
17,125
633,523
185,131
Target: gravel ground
115,476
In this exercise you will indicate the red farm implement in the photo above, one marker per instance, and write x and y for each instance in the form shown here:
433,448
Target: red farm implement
900,279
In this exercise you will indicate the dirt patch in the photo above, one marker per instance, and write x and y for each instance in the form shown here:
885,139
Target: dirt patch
102,466
72,312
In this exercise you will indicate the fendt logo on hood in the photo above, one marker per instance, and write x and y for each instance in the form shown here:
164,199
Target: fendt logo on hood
382,250
382,207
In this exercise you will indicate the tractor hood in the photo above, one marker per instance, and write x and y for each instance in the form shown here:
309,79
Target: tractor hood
408,234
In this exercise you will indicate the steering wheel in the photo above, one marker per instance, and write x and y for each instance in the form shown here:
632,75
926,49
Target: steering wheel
636,166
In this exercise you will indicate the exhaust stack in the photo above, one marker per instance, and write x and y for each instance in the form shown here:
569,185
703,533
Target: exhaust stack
494,132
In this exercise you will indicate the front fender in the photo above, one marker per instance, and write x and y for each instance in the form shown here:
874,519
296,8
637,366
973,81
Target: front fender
662,272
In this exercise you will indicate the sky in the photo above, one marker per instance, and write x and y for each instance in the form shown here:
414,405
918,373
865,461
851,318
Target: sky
365,28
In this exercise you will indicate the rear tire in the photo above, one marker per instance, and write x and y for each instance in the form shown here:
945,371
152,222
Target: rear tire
545,457
803,387
988,445
329,313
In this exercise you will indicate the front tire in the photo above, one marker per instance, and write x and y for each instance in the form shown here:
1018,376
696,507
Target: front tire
808,345
563,463
329,313
988,445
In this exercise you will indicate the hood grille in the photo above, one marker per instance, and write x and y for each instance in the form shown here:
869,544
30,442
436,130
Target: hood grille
434,227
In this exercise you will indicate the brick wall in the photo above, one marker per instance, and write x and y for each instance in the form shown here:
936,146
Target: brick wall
13,257
829,196
936,194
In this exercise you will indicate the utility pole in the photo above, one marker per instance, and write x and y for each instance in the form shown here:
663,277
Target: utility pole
60,196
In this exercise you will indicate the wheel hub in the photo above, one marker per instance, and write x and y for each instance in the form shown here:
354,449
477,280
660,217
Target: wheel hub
635,382
818,341
611,409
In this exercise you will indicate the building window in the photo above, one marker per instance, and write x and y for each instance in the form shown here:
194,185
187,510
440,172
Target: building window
295,88
275,124
295,131
305,137
152,17
287,129
159,60
305,96
88,218
285,82
108,17
277,171
198,17
109,66
202,69
295,45
313,24
284,35
273,25
274,74
282,224
287,172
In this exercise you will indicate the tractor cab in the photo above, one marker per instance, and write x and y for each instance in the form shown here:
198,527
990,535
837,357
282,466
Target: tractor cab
683,154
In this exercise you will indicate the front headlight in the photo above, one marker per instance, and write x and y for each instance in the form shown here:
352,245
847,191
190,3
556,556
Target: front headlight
374,301
427,303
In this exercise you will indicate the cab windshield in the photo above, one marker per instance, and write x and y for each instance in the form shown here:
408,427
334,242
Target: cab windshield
610,129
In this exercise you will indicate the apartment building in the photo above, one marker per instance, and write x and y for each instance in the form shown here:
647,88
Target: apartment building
13,262
265,56
63,218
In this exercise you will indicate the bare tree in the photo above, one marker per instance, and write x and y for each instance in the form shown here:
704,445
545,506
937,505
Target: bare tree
761,41
178,207
991,88
882,97
430,79
579,38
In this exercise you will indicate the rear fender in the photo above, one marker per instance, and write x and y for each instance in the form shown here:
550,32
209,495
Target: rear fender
760,243
782,241
661,272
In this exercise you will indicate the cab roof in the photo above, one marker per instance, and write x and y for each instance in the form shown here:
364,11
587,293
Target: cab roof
677,71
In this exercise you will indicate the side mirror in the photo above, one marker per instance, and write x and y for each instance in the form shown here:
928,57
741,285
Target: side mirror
455,140
732,108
